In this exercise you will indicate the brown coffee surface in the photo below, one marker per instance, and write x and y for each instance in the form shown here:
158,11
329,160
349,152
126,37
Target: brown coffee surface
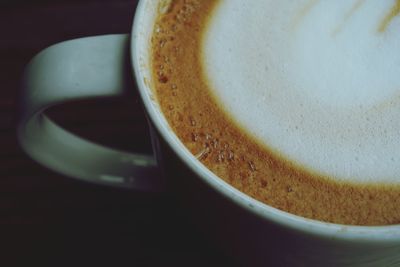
187,102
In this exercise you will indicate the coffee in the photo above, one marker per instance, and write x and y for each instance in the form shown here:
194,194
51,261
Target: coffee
294,103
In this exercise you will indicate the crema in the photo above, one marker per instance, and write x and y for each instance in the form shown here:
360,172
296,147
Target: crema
295,103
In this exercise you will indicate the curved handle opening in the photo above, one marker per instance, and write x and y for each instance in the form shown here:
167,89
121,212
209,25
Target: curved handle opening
94,67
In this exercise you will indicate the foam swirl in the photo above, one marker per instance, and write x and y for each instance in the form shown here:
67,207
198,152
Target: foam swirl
316,81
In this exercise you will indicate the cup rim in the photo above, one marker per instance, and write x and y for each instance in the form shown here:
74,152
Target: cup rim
376,234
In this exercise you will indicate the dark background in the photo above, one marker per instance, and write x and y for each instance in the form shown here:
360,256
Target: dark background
47,219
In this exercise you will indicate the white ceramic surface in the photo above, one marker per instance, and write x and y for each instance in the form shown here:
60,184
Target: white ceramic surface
275,237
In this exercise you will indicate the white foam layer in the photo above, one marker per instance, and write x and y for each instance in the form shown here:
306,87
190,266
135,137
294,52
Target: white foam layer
314,80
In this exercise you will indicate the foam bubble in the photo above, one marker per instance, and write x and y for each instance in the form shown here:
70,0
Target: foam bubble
314,80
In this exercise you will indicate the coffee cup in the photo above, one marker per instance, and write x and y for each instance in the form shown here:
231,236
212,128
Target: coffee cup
254,232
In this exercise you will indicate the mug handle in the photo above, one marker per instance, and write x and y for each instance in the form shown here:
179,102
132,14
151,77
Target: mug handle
91,67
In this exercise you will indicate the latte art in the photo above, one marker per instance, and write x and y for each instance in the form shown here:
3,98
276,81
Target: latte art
295,103
321,86
395,11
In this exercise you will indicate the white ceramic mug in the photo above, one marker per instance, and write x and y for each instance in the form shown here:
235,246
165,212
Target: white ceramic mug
253,233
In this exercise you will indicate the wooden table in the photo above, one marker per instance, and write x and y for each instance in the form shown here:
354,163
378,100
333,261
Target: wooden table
51,220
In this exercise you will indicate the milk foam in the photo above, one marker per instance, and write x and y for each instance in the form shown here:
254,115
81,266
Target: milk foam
314,80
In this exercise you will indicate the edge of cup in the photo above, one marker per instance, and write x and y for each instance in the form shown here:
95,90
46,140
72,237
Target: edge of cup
376,234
